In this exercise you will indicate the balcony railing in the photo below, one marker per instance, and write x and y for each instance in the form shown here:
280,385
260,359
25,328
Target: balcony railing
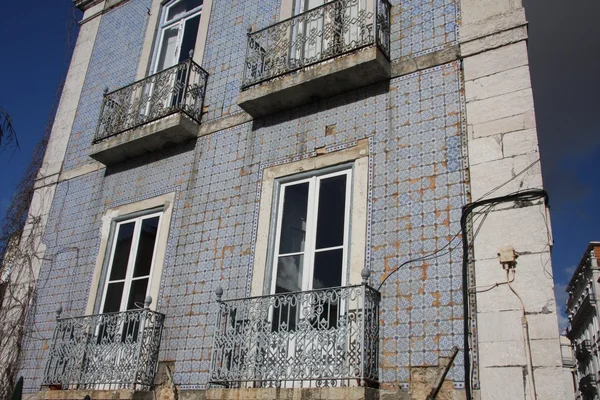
106,351
325,337
180,88
328,31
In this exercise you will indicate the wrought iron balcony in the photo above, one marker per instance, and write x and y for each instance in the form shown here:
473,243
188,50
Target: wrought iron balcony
328,31
180,88
583,350
325,337
588,384
105,351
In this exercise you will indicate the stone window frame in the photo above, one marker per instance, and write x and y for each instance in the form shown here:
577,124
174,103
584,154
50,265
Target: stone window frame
358,158
163,203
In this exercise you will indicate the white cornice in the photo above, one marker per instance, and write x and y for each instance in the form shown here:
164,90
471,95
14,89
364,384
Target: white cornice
85,4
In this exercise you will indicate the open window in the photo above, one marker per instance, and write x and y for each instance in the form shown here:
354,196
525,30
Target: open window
180,20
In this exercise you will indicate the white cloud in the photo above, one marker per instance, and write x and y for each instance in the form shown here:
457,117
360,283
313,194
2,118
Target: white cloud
570,270
561,304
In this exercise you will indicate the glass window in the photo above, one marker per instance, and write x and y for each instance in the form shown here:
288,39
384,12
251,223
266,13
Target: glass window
177,34
311,245
130,264
312,233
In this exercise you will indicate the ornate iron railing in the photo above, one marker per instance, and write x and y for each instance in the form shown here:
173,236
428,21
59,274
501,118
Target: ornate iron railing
328,31
326,337
180,88
105,351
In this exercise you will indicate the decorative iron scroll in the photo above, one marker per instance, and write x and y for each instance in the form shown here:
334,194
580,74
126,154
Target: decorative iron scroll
180,88
105,351
328,31
319,338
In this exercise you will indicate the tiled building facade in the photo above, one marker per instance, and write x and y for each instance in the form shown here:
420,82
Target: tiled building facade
421,134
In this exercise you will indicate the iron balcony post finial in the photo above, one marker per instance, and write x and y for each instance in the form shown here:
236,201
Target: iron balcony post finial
365,274
147,302
59,311
219,293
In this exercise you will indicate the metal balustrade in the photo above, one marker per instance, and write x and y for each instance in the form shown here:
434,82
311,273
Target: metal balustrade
105,351
328,31
180,88
318,338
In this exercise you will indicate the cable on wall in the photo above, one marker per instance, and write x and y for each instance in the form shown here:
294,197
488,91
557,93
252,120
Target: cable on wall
524,195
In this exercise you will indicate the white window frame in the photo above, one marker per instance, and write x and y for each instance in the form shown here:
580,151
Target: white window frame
147,56
308,267
163,203
128,280
164,25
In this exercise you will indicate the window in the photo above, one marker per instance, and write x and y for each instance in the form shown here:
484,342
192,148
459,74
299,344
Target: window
177,33
300,253
311,242
311,245
131,255
131,263
330,30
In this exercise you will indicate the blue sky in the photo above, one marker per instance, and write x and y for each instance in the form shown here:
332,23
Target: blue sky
33,62
564,51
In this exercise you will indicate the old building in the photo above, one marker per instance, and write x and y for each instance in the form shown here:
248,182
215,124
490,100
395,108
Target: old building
583,330
265,197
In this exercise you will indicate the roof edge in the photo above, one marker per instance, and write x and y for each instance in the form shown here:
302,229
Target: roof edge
86,4
582,262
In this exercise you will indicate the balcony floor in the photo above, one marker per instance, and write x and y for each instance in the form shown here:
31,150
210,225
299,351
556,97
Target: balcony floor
175,128
328,78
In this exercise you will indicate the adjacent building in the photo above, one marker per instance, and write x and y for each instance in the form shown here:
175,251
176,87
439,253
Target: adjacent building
583,330
233,190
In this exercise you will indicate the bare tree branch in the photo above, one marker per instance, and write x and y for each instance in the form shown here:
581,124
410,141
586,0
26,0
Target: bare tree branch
8,135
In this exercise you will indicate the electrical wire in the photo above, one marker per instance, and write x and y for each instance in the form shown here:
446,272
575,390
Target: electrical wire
510,180
435,253
524,195
486,288
526,339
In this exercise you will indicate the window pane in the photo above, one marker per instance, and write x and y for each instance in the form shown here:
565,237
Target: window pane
189,38
328,269
182,7
145,250
166,58
293,224
289,274
122,250
112,302
332,206
137,294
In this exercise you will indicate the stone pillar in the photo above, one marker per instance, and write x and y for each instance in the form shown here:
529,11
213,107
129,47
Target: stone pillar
504,158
